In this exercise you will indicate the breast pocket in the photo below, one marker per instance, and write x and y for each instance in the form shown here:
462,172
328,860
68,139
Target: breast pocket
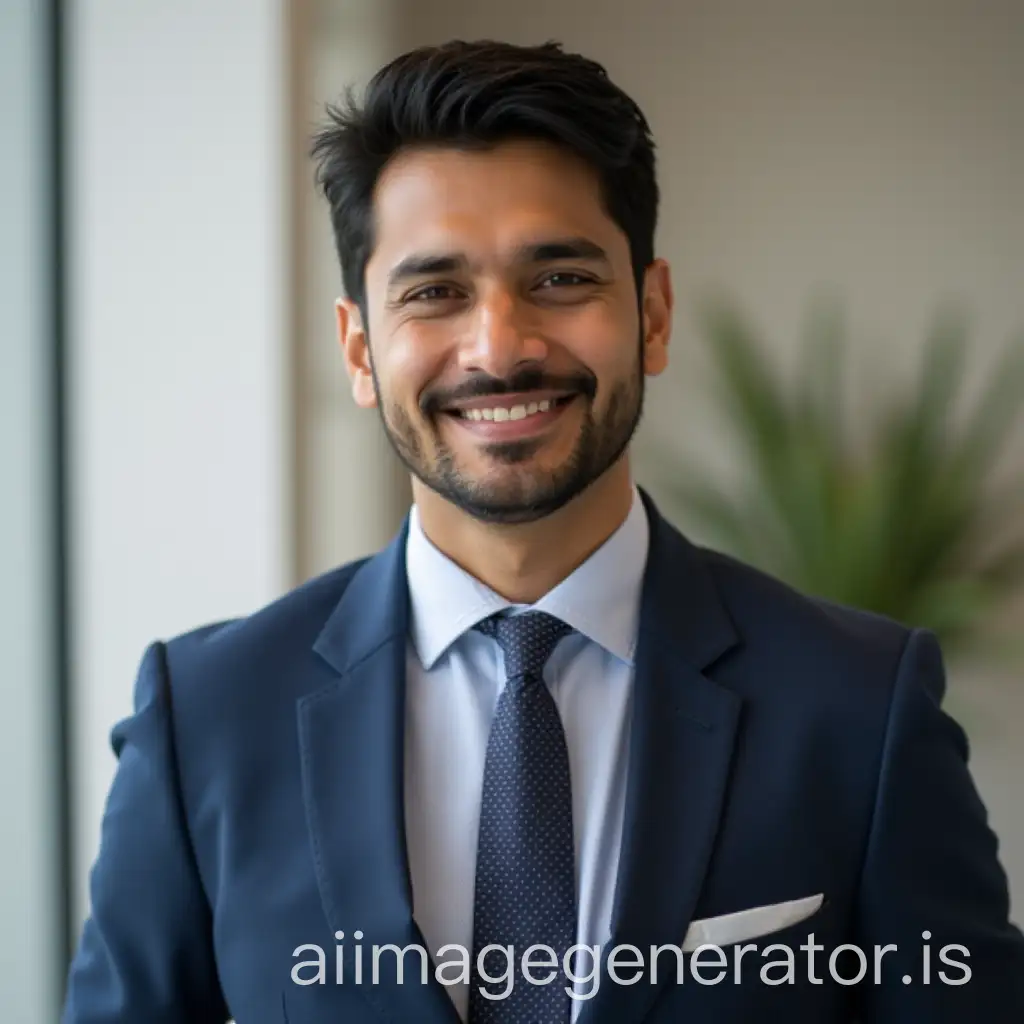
750,924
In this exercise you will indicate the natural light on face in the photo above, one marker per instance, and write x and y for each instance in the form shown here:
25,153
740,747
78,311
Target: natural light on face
504,325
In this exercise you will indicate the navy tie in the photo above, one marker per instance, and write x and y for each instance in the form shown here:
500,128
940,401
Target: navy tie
526,868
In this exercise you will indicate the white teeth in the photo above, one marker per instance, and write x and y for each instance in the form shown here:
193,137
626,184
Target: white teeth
500,414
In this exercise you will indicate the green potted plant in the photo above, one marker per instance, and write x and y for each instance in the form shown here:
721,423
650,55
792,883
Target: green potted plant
900,511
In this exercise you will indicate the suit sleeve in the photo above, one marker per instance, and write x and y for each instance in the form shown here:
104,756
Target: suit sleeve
932,883
145,952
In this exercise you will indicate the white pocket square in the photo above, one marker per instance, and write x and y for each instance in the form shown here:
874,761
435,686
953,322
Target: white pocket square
749,924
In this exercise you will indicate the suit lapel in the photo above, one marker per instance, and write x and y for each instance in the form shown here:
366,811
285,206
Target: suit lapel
682,736
352,743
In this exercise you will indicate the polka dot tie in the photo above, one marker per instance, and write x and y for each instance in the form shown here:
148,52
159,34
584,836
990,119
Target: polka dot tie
525,872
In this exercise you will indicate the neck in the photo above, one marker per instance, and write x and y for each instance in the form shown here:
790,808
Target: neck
522,562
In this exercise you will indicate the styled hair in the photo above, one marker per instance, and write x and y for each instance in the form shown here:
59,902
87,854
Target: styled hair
476,95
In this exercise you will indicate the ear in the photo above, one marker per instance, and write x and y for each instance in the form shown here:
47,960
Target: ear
658,305
355,348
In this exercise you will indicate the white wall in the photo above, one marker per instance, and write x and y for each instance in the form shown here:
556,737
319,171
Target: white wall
180,418
29,872
353,489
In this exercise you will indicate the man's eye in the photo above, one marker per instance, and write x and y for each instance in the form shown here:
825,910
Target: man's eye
564,278
432,292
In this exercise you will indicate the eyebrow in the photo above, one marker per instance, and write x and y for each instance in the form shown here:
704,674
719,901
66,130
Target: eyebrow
423,264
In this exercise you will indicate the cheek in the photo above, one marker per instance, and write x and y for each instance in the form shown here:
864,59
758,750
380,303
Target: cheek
412,361
610,356
604,338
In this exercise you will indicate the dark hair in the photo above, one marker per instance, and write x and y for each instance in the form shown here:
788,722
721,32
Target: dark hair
472,95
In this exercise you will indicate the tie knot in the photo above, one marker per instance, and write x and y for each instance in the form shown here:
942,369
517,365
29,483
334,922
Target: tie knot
527,640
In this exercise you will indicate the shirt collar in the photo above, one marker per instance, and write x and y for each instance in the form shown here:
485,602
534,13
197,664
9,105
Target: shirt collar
600,598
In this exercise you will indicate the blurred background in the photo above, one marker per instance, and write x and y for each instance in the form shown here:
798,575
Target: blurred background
843,212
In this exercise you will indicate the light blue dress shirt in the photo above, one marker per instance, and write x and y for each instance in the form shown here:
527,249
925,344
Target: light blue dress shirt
455,675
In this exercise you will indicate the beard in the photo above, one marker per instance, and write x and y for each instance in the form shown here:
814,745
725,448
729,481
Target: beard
519,492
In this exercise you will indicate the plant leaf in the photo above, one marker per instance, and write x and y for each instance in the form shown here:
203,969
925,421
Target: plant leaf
900,526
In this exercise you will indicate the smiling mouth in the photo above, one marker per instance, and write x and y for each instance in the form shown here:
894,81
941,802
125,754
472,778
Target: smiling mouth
511,418
505,412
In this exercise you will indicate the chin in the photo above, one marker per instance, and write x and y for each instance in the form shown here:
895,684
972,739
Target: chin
524,499
512,513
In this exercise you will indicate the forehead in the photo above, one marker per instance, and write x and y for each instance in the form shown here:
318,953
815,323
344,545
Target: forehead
486,202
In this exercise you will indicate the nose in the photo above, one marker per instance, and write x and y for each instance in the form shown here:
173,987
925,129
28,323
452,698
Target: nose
501,336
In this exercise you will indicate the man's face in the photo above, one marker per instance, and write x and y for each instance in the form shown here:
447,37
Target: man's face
504,345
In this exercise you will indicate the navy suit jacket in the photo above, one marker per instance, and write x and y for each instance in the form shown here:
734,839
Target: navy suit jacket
781,748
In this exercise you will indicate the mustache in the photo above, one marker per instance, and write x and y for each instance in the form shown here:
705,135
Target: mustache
524,381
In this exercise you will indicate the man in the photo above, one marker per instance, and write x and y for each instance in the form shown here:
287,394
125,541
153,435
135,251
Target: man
562,763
